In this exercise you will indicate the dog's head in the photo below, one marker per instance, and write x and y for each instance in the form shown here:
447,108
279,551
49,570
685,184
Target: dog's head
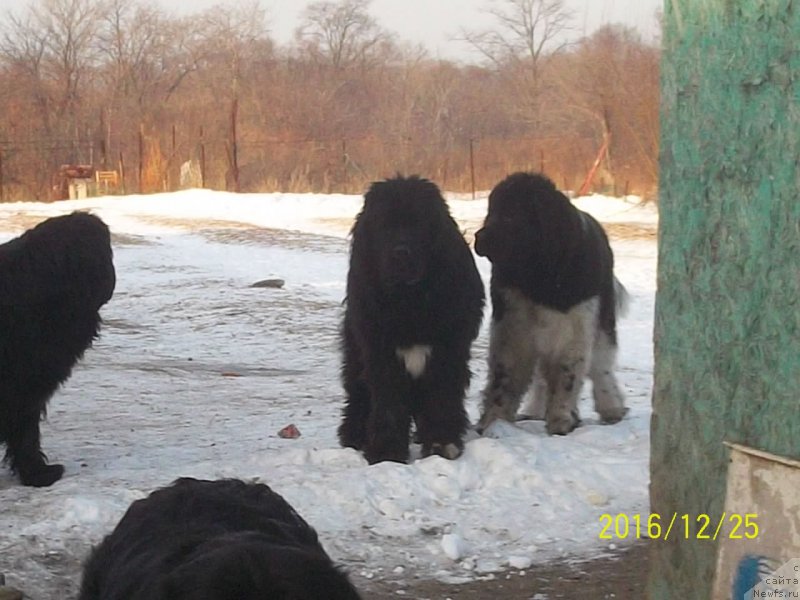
399,228
253,566
528,219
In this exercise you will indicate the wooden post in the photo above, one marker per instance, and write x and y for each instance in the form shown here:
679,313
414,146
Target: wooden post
234,146
121,172
141,159
202,159
2,195
171,164
541,161
472,165
103,150
344,165
103,154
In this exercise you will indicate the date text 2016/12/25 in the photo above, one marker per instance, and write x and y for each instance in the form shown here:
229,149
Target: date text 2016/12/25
653,526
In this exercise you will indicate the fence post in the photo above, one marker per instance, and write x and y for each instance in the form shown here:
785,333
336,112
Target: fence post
202,160
234,146
472,165
344,165
122,171
141,158
172,167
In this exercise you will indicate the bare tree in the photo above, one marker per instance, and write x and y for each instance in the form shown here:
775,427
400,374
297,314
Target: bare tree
54,44
344,104
235,37
127,41
524,32
70,28
610,83
23,49
51,50
148,54
342,33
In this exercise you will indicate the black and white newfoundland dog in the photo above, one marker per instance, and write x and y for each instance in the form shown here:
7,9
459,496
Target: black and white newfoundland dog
53,280
213,540
555,302
414,305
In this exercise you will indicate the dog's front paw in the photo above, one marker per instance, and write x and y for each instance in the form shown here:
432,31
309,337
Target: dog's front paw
613,415
449,451
43,476
562,424
491,415
486,419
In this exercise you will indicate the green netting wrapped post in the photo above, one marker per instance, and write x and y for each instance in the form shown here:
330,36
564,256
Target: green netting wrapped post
727,323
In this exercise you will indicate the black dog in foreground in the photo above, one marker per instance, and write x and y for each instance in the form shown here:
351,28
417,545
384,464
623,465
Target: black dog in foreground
213,540
53,280
555,301
414,305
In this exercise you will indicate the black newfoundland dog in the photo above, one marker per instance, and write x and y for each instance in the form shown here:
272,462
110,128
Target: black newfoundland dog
53,280
555,300
213,540
414,305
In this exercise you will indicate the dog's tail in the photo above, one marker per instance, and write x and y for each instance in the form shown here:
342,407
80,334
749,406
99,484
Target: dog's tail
622,299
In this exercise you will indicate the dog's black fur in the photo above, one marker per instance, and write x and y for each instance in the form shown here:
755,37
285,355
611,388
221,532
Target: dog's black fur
539,243
552,277
414,305
53,280
213,540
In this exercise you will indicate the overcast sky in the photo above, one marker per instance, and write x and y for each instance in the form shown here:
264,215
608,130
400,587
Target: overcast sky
433,23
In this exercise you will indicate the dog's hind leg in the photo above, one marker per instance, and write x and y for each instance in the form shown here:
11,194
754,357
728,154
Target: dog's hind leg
609,401
564,378
534,408
512,358
566,343
24,453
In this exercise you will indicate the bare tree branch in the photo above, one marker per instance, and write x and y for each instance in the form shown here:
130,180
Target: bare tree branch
342,33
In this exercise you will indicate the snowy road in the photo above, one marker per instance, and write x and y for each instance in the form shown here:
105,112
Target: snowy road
196,372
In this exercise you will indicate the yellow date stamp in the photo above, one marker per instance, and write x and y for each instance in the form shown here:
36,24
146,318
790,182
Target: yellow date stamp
624,526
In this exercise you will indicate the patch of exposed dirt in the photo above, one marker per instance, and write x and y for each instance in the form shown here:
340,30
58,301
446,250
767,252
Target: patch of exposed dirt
622,576
235,232
631,231
16,223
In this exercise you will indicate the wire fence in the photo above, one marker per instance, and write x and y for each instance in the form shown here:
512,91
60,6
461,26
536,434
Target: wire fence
36,169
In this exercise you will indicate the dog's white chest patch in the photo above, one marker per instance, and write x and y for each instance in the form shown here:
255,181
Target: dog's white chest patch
415,358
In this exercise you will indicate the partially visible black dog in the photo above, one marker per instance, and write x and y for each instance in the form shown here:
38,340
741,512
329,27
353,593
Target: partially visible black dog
53,280
213,540
414,305
555,302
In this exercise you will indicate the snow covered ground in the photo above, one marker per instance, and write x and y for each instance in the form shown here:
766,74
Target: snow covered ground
196,372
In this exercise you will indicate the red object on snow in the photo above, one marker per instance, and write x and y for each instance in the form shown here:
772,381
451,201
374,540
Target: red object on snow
290,432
